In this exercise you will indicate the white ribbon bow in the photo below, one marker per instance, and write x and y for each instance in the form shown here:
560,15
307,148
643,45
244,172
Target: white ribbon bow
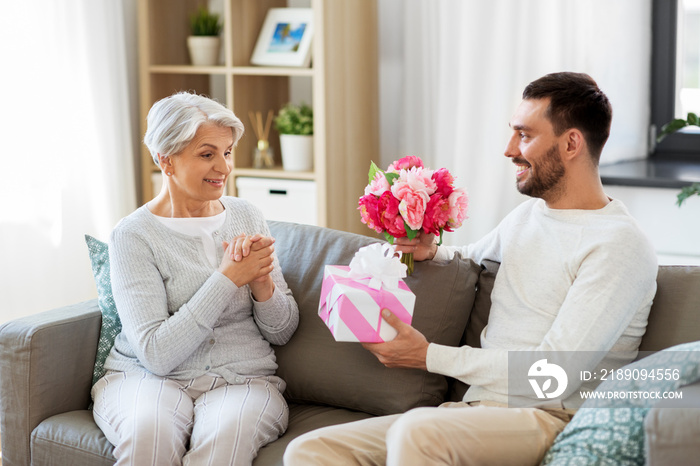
377,262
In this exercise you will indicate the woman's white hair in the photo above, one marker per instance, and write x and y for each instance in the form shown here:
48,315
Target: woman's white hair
173,122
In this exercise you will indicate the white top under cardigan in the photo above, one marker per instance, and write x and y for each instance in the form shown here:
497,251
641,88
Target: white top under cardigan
200,227
569,280
182,318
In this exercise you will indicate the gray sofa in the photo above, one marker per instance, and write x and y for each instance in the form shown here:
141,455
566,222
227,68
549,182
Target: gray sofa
46,360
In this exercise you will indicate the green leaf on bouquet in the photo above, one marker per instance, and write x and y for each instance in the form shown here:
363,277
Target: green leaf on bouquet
390,177
373,170
410,234
693,119
388,237
441,232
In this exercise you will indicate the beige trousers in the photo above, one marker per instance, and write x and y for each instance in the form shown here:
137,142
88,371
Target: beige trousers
454,434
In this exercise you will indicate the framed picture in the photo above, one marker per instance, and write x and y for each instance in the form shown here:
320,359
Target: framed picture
285,38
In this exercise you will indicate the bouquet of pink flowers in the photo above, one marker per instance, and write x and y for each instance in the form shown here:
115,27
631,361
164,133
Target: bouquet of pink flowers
408,198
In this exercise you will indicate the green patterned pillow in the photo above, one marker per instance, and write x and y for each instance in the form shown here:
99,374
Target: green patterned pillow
612,433
111,325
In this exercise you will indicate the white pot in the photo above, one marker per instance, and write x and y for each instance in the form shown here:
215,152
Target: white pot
297,152
204,50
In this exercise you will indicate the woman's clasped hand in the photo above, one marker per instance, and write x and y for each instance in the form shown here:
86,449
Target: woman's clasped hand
248,260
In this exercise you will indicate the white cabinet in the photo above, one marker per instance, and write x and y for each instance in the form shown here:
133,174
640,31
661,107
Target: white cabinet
279,199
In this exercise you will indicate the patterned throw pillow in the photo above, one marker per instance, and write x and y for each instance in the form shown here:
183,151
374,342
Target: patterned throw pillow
111,325
612,433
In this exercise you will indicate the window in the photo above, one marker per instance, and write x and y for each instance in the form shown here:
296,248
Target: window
675,74
688,71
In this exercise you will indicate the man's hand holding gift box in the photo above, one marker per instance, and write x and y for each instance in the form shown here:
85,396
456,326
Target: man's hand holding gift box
352,297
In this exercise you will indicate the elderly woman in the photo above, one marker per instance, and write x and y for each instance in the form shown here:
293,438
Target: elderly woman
201,297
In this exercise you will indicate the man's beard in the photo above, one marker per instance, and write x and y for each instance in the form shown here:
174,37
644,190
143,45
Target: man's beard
546,179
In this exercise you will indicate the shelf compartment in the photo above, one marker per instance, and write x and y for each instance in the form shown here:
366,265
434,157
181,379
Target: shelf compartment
168,28
257,94
246,24
163,85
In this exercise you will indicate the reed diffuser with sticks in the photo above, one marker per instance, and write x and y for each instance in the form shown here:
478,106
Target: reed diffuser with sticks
263,157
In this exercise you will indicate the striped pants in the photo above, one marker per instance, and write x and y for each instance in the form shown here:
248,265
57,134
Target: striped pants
154,420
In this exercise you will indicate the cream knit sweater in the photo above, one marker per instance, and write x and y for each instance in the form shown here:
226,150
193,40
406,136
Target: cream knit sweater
570,280
181,318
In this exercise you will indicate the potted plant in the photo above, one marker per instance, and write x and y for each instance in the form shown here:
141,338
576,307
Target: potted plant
204,41
671,127
295,123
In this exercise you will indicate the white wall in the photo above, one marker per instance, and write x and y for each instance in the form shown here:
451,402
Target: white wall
672,230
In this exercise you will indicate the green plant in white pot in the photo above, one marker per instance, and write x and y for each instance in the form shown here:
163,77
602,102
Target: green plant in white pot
671,127
295,123
204,42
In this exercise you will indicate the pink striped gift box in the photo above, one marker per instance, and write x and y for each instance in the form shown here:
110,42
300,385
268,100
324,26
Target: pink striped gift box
352,310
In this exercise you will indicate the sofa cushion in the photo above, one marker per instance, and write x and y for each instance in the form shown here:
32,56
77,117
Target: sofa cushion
675,314
478,319
71,438
318,369
611,431
304,418
671,434
111,325
482,304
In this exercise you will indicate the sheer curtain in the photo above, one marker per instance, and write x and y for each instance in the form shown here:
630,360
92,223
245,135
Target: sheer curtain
66,143
452,73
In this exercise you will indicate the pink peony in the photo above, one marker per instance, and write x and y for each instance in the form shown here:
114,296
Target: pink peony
458,208
378,185
412,209
405,163
444,182
436,214
415,179
389,215
369,212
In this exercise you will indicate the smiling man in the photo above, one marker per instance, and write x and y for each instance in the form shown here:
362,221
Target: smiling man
577,275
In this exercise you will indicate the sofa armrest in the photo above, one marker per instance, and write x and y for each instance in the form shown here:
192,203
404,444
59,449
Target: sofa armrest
672,432
46,364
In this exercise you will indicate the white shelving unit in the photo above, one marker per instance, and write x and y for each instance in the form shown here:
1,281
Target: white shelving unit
343,83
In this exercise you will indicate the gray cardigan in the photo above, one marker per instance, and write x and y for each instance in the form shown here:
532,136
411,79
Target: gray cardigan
181,318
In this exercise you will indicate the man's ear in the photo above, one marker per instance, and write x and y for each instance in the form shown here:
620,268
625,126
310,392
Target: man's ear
575,143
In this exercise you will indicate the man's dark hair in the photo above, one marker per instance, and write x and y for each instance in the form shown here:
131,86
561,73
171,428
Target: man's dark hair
576,101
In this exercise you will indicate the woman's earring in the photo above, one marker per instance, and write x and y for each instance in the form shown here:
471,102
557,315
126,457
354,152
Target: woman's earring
168,173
